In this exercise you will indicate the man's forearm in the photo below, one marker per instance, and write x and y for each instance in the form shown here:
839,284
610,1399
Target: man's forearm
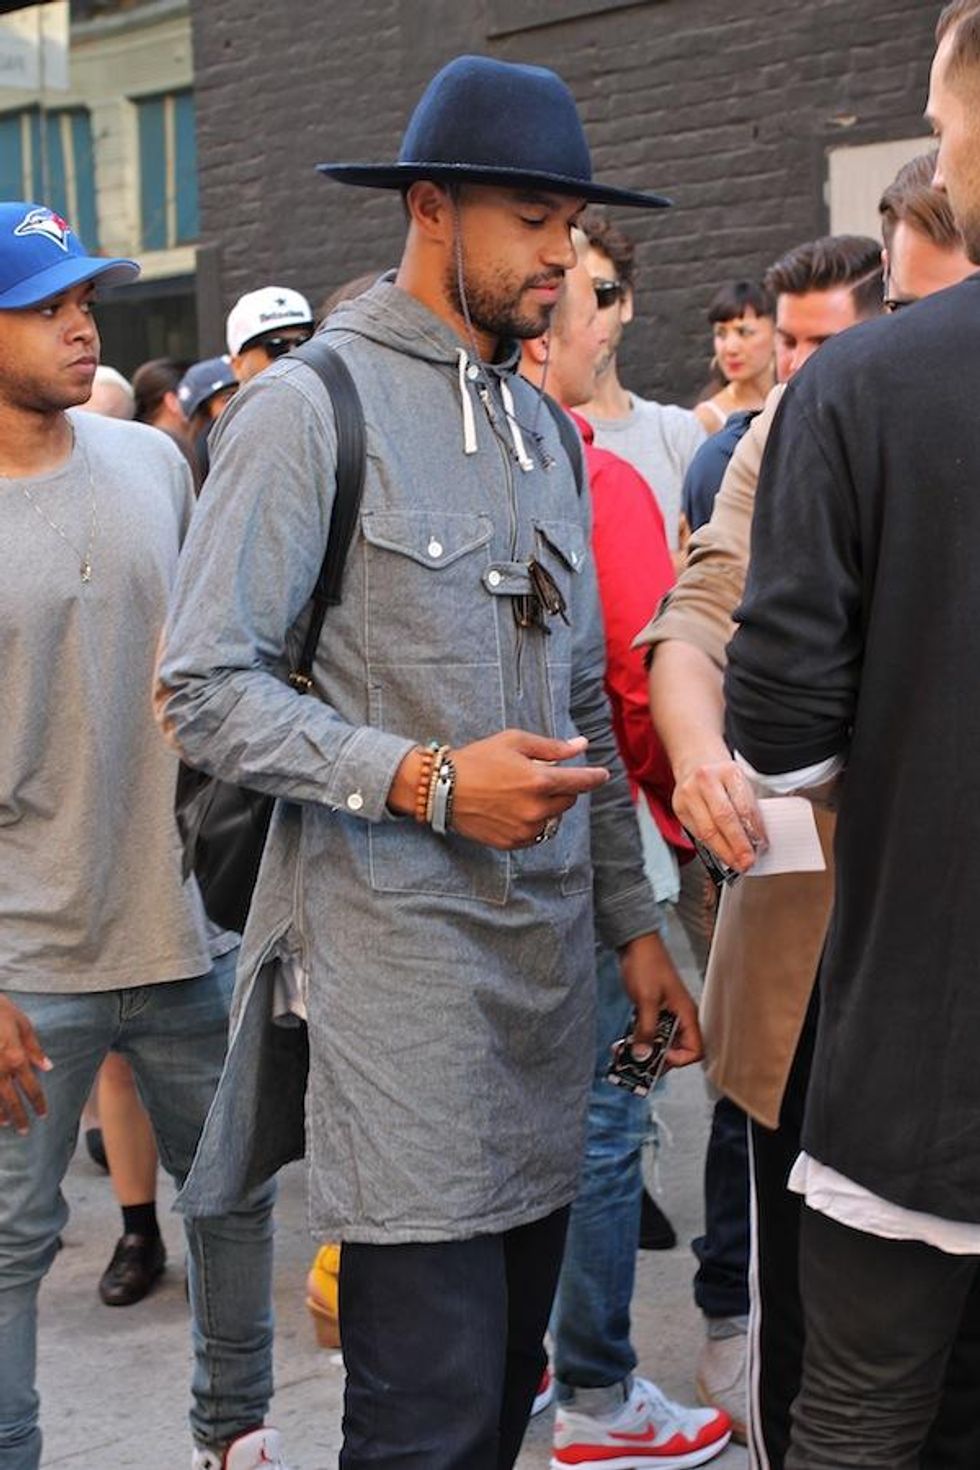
687,704
712,797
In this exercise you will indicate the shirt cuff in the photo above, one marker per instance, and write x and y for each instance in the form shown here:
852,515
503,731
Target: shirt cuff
362,776
631,914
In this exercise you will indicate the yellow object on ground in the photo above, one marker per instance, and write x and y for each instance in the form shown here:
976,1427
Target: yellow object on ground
322,1286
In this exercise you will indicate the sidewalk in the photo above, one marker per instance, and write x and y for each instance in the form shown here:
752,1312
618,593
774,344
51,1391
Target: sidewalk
114,1380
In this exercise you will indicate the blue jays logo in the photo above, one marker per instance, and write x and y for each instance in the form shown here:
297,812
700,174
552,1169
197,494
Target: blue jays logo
45,222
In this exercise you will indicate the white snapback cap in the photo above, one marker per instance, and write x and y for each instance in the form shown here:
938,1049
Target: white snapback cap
262,311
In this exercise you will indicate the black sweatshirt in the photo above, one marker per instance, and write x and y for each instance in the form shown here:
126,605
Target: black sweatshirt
860,635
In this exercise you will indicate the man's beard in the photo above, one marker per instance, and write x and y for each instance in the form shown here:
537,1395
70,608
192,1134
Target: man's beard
47,396
496,306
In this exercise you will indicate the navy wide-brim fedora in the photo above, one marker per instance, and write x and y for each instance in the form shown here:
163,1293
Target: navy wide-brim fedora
483,121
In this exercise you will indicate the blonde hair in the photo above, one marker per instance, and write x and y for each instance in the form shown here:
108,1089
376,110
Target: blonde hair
963,16
911,197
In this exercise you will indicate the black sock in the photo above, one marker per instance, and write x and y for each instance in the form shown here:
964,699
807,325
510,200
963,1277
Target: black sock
140,1219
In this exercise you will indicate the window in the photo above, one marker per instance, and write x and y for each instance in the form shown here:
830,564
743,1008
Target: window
857,177
168,170
48,158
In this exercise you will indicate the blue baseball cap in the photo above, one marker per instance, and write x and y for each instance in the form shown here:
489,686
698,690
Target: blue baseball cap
202,381
40,256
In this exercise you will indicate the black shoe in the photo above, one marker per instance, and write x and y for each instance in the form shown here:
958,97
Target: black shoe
656,1231
137,1262
96,1148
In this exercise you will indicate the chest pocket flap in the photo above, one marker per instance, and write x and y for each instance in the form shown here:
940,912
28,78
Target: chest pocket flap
433,539
567,540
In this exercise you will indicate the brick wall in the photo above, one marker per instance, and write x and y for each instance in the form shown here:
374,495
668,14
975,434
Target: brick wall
728,108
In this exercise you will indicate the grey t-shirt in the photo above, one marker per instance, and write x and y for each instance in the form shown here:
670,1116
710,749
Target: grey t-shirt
659,440
91,896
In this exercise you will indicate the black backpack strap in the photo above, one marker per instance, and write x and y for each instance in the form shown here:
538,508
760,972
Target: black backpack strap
351,460
570,441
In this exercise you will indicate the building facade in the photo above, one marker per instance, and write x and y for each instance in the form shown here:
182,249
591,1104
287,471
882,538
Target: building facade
763,121
116,153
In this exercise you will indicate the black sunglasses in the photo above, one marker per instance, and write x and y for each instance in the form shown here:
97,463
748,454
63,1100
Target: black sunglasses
274,347
545,597
608,292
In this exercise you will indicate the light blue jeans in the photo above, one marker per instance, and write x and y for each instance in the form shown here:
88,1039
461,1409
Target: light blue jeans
590,1323
173,1035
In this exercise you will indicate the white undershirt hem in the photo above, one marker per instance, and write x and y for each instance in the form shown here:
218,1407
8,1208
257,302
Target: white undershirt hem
850,1204
786,782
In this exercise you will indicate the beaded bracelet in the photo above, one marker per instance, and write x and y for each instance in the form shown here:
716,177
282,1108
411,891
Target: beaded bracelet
440,756
425,781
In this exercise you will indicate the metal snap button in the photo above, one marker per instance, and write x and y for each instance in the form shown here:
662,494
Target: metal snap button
355,801
494,578
434,548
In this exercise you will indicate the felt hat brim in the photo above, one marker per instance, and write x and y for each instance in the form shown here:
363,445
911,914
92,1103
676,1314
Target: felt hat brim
400,175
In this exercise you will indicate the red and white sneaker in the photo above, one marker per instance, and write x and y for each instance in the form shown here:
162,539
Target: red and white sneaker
258,1450
545,1393
648,1430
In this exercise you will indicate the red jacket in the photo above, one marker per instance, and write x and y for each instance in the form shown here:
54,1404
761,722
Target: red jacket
635,571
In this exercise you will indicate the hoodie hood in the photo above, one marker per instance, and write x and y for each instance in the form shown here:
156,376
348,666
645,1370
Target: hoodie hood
387,315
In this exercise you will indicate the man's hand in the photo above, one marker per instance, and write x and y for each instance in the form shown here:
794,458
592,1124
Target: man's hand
712,796
653,985
20,1056
507,786
716,803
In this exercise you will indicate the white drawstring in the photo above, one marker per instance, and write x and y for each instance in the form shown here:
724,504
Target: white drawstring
523,458
469,426
469,420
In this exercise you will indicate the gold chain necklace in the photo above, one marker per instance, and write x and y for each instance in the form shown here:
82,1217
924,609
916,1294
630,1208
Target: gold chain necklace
85,557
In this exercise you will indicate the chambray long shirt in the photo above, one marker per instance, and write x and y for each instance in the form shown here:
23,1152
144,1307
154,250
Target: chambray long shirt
450,987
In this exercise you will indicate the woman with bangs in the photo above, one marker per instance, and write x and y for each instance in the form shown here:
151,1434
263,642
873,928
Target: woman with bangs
742,315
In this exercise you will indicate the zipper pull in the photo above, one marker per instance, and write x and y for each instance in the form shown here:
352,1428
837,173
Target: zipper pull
483,393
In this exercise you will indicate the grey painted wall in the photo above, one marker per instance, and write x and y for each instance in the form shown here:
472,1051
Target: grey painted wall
728,106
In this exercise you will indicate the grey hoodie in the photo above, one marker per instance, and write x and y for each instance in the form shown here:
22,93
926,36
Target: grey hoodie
449,988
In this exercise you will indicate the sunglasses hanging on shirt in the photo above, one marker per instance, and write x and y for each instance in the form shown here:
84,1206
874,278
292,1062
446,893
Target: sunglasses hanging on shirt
544,598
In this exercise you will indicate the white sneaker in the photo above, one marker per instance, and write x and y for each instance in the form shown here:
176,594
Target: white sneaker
546,1392
260,1449
648,1430
722,1379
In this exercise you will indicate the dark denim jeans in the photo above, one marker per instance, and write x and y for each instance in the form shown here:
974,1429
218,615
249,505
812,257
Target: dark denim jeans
443,1347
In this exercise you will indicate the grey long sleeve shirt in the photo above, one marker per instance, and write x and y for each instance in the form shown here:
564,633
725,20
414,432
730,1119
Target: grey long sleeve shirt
450,986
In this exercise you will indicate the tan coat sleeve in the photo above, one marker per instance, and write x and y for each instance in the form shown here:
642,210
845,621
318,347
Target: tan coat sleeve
769,932
699,608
